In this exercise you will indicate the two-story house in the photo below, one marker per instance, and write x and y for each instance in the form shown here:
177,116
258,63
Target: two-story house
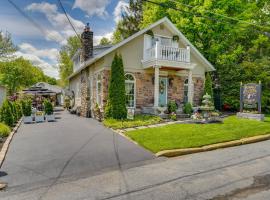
160,65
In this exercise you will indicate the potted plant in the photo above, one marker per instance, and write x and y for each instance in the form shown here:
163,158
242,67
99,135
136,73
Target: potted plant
48,108
27,111
39,116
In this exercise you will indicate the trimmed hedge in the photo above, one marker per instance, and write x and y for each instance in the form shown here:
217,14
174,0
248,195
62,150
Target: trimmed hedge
6,115
4,130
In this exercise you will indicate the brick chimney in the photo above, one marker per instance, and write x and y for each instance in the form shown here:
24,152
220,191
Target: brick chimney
87,43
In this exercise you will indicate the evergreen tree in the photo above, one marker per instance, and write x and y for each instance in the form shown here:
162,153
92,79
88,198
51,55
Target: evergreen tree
6,114
208,86
117,97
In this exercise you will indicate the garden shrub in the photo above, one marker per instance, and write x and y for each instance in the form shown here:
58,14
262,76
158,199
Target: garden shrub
6,114
108,110
48,107
4,130
13,110
188,108
18,108
117,96
172,107
173,116
139,120
27,107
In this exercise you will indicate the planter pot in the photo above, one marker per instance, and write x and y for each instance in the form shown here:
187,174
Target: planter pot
162,110
50,118
28,119
39,118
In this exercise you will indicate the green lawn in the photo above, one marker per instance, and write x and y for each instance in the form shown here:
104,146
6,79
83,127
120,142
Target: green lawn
139,120
179,136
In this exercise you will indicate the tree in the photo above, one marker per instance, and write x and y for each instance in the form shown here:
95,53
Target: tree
6,45
65,58
20,73
117,97
117,37
131,19
208,85
104,41
230,45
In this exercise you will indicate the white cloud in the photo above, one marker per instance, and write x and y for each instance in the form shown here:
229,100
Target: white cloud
58,20
51,54
92,7
37,56
97,38
119,9
48,69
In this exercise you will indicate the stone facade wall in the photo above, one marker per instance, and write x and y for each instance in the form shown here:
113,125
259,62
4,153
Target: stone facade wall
198,90
144,89
105,77
176,88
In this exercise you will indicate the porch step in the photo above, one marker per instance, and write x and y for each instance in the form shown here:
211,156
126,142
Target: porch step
148,110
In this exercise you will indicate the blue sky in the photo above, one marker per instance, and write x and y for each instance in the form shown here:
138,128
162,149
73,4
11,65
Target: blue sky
42,48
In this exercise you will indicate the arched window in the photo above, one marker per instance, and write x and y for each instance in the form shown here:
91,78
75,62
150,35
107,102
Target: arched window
186,91
130,90
99,89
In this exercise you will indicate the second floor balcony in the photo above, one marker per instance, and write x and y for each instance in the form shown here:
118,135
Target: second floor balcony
168,56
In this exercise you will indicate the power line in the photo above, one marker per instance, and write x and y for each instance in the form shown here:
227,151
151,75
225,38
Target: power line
33,22
213,13
62,7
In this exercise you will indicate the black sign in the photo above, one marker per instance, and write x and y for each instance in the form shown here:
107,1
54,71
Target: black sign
250,96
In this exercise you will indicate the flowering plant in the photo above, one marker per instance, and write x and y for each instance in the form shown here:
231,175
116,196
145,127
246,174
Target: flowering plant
173,116
196,116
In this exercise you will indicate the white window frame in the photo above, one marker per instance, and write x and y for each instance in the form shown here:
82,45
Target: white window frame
134,82
99,95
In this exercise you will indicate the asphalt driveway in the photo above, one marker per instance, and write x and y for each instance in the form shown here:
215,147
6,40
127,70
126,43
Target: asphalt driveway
71,148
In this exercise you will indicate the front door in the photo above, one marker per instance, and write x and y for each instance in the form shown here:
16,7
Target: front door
163,83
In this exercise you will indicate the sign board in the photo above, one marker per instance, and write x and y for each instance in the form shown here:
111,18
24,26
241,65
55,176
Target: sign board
250,96
130,113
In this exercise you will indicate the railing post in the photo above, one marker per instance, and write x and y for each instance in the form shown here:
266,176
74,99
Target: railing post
188,54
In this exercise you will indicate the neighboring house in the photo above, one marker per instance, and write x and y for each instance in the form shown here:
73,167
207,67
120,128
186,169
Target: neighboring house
160,65
3,94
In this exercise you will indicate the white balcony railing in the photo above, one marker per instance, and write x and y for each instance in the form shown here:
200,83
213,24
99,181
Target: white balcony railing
161,52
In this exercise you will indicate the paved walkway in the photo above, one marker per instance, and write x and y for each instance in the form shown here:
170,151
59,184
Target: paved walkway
71,148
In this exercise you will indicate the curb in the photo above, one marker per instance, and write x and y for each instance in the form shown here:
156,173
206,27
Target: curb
4,149
180,152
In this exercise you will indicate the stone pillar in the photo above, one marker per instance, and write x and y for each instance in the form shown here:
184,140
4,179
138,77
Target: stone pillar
190,87
85,94
156,86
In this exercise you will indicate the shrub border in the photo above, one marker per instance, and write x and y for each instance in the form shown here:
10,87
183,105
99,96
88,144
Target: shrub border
5,146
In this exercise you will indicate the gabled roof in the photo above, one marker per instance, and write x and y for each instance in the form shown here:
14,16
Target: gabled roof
164,20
